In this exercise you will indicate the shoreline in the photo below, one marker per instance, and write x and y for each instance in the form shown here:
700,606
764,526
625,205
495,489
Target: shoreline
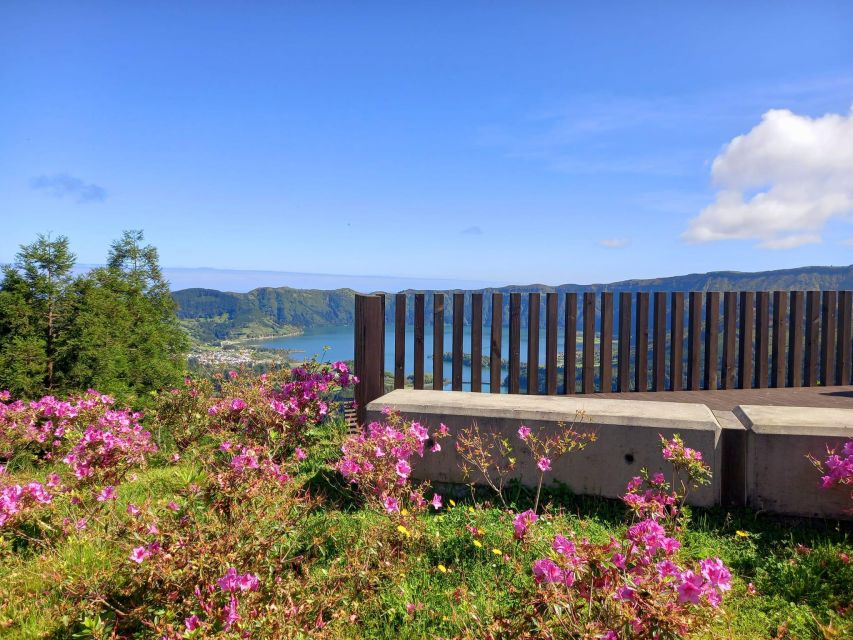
236,341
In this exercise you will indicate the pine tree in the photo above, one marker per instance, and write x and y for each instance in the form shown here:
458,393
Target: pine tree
35,297
127,339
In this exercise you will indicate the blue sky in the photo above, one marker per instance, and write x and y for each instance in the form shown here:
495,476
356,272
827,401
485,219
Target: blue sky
476,142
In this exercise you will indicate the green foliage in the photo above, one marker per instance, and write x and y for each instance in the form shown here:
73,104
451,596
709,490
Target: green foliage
35,302
114,328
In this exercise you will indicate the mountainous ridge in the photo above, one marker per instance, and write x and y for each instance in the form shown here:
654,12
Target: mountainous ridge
211,315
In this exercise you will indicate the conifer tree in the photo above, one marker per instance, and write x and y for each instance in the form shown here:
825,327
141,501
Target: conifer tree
35,306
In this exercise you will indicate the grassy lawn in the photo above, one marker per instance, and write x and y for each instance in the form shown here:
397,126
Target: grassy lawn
360,575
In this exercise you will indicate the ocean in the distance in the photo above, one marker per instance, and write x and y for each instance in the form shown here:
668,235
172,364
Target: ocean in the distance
336,343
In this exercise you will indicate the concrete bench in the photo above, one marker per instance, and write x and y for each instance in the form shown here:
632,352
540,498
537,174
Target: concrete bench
628,435
779,477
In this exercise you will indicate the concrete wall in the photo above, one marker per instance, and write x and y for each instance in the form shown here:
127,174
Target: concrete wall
779,477
628,435
757,454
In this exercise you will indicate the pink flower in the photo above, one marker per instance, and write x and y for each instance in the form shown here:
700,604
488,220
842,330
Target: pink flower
192,623
436,447
173,506
133,510
139,554
248,582
523,432
231,615
232,374
107,493
689,587
443,430
391,505
521,523
658,478
544,464
238,404
420,432
403,469
300,454
716,573
546,571
436,501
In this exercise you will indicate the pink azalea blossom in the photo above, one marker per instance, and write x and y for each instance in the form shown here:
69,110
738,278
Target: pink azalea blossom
521,523
544,464
107,493
436,501
139,554
403,469
300,453
523,432
392,505
192,623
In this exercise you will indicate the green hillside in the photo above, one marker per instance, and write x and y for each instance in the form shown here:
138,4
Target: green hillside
212,315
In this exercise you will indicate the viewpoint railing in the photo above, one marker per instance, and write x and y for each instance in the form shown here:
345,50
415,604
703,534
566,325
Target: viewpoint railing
689,341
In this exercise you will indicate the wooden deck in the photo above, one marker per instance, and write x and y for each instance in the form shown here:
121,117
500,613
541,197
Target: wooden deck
726,400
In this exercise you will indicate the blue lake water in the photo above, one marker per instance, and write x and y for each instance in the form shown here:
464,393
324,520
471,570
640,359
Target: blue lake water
339,343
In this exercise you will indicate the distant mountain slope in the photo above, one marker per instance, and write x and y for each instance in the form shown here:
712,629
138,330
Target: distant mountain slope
212,315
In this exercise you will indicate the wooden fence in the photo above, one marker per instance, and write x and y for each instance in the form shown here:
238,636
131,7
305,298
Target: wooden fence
699,340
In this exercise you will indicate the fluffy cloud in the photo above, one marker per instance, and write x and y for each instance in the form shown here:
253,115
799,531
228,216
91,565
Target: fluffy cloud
63,185
780,183
613,243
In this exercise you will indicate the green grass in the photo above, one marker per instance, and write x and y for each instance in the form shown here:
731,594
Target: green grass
374,572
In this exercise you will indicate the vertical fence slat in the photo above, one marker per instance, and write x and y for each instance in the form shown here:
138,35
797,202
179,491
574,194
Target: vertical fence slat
551,303
641,360
812,338
400,341
659,343
438,341
780,335
419,341
369,351
476,342
747,327
829,307
797,335
694,344
514,341
762,341
728,375
496,343
533,305
605,358
844,352
588,373
676,348
623,378
570,338
457,348
712,334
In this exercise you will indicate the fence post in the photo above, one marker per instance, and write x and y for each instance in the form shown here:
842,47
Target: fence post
369,350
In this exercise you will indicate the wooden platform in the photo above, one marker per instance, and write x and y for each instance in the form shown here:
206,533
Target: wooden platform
829,397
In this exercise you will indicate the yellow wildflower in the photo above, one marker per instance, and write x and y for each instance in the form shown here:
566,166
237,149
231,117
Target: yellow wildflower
477,543
403,530
442,568
497,552
741,534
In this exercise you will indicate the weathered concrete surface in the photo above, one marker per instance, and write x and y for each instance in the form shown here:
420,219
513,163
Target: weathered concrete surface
628,435
779,476
732,459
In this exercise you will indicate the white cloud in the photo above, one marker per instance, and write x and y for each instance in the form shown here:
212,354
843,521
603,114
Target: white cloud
781,183
613,243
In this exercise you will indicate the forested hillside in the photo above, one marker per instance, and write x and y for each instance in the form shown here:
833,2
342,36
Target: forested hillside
212,315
